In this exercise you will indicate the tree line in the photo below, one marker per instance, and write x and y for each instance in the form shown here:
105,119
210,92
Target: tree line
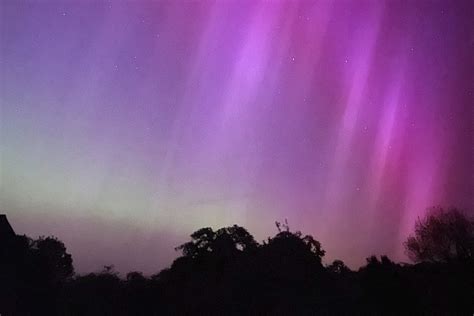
226,271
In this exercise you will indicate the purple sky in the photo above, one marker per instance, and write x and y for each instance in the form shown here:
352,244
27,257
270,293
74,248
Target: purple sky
125,126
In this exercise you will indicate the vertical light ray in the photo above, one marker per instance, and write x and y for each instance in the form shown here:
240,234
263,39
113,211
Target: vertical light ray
157,118
358,75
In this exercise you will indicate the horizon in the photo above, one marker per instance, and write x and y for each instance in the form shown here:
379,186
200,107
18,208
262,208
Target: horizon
122,273
126,126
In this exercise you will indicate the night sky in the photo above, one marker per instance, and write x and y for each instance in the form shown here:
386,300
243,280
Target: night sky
125,126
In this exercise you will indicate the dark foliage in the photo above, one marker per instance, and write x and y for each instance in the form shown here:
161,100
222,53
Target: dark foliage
226,272
442,236
32,275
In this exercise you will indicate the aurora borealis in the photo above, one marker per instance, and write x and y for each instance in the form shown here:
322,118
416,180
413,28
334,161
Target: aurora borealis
125,126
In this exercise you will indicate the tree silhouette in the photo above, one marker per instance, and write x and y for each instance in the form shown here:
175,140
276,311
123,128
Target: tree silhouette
223,241
50,256
225,271
338,267
442,236
289,243
33,273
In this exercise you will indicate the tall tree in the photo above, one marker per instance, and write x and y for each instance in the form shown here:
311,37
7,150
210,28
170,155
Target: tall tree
442,236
